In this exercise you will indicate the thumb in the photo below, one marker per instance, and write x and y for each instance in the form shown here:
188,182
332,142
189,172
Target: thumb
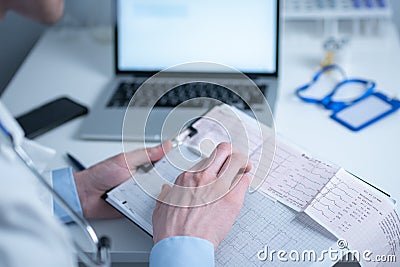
164,192
140,157
239,188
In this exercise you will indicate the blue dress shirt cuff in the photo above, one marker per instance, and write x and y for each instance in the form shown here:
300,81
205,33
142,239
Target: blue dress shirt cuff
64,184
182,251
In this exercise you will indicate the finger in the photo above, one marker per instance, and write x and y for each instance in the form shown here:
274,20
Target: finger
156,153
248,166
238,177
139,157
215,161
239,189
164,192
220,155
232,170
206,171
166,146
234,164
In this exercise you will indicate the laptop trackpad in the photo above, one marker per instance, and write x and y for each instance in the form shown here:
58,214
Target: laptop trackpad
160,124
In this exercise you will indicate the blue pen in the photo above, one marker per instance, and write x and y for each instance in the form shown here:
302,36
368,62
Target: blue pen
76,163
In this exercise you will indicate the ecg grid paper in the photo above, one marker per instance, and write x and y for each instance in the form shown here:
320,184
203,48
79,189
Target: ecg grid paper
358,213
262,221
265,221
294,178
303,203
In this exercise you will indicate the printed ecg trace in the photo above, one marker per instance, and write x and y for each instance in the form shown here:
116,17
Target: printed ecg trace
262,220
335,205
295,179
355,211
345,204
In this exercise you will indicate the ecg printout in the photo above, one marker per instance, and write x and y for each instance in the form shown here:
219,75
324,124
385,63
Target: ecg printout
262,221
358,213
270,216
243,132
295,179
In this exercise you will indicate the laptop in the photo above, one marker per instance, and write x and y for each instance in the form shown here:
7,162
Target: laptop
153,35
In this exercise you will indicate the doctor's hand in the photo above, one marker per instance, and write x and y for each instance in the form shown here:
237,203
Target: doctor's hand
211,221
93,182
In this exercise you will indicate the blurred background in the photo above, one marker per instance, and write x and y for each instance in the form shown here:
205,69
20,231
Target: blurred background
18,35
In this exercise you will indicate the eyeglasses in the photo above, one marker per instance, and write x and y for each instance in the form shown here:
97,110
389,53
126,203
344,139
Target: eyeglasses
101,246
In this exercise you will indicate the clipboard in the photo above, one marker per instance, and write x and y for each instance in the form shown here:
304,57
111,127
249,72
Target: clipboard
195,142
271,211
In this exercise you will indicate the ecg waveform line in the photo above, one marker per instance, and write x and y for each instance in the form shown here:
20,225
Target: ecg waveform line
326,203
295,179
344,204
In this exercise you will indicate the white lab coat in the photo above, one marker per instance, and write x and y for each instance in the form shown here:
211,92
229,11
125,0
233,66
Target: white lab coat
29,233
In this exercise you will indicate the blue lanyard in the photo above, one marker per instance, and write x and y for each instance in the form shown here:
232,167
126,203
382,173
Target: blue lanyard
327,101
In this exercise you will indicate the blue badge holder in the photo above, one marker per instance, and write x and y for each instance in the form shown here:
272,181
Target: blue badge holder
359,113
366,112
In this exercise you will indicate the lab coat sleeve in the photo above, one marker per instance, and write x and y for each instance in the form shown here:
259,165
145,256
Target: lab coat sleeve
29,233
64,184
182,251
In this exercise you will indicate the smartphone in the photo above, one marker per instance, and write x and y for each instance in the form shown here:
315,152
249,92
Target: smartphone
49,116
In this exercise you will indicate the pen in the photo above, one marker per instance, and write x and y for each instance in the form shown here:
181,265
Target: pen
76,163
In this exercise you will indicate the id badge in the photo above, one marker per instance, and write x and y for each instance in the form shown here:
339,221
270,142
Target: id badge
366,112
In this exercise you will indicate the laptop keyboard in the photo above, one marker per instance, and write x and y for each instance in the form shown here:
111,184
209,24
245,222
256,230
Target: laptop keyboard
190,92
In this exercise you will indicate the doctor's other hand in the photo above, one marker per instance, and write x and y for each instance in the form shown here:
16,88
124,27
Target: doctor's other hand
210,221
93,182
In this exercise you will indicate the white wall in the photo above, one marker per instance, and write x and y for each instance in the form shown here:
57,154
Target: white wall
18,35
396,12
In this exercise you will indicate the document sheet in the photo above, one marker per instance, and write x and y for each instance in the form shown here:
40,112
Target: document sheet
262,221
302,204
354,211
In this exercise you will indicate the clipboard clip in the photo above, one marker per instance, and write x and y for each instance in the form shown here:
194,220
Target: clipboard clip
178,141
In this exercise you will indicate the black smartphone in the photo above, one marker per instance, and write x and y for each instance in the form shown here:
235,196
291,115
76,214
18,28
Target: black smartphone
49,116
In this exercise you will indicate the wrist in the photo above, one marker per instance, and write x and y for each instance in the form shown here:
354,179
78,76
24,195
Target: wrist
82,190
181,234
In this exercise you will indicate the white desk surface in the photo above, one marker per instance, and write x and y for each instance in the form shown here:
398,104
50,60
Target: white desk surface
70,62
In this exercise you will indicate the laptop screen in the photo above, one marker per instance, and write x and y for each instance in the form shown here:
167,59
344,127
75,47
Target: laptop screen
156,34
